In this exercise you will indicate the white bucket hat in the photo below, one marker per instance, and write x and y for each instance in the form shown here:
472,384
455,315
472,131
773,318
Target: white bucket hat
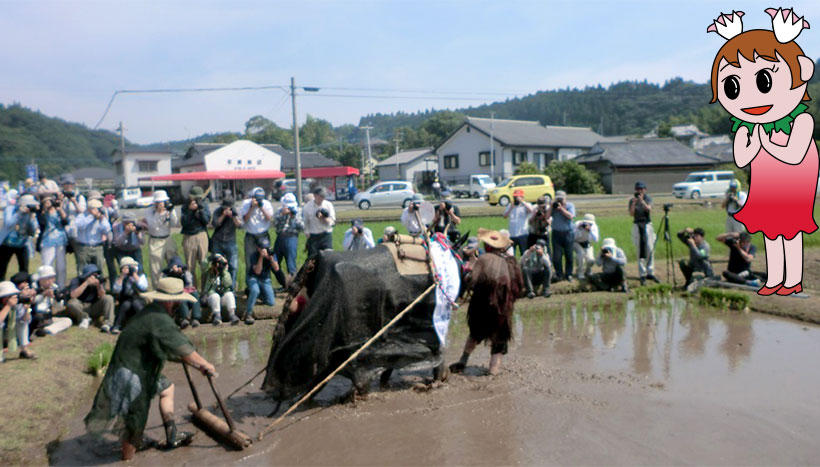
589,217
7,289
44,272
128,261
95,204
608,242
160,196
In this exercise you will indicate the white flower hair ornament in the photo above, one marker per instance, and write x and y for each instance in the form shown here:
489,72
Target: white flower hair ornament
786,24
727,26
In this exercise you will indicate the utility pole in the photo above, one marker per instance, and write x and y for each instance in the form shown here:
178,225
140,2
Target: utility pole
492,146
121,129
296,142
601,126
369,157
397,139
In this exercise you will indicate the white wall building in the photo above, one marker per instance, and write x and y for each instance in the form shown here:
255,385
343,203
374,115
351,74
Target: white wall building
135,168
467,150
405,164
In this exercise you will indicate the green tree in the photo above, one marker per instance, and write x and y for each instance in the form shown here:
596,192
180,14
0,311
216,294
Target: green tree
572,177
349,154
263,131
526,168
316,133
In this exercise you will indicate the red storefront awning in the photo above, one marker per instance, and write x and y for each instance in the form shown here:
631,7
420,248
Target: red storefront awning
223,175
329,172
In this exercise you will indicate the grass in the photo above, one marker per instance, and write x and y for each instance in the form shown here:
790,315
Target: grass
100,358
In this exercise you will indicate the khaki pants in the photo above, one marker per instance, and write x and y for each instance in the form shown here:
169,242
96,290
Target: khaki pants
646,266
195,251
160,251
102,308
733,225
88,255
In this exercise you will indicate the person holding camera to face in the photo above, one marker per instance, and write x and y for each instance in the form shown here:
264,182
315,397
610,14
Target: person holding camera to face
93,230
195,219
539,224
257,214
643,234
518,212
88,300
732,202
158,220
446,219
217,290
223,241
259,283
127,287
699,251
613,266
44,321
53,239
22,315
409,219
288,223
358,237
188,313
73,203
741,255
319,217
19,223
586,235
563,234
128,237
537,269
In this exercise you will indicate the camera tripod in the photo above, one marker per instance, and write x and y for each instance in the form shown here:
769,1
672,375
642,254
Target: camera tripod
667,240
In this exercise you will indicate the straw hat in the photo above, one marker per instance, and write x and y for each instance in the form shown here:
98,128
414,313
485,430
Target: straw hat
160,196
494,238
128,261
7,289
44,272
169,289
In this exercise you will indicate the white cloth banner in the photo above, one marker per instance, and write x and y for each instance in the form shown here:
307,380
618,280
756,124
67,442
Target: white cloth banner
450,282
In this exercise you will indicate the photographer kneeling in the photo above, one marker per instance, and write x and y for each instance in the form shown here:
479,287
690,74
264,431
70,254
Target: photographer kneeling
217,290
127,288
613,263
741,254
537,269
698,254
358,237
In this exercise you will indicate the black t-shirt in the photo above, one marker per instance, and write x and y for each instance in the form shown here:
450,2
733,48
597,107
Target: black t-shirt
736,262
226,231
444,218
641,214
267,267
89,295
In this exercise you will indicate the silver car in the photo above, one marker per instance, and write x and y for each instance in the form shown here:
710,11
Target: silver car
392,193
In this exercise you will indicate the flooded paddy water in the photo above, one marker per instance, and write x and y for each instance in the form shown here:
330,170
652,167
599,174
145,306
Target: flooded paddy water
646,382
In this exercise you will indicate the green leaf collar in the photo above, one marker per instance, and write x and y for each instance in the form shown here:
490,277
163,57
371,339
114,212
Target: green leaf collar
784,124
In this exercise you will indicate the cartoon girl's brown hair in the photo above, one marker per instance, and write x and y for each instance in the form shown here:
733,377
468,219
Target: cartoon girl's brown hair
765,44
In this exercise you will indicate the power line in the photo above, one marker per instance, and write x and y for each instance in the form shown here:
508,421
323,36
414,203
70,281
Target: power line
380,96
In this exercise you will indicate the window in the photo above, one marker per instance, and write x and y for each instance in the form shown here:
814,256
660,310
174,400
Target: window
519,157
400,186
725,176
249,162
484,159
147,166
528,181
229,162
239,162
381,188
259,162
451,161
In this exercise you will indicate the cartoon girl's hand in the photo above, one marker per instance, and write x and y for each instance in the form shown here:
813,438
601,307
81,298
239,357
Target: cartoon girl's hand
746,146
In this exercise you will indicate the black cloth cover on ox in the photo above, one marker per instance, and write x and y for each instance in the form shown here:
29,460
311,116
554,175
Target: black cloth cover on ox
352,295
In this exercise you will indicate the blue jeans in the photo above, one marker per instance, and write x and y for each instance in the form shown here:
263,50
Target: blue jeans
562,241
231,252
521,243
286,247
256,286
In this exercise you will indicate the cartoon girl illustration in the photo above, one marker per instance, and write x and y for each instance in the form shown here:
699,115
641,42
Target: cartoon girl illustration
761,77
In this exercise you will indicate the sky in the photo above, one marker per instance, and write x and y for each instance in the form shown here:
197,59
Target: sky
66,58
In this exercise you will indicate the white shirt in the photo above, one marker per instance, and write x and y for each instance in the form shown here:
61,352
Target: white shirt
582,235
358,242
314,225
410,222
257,223
518,216
159,225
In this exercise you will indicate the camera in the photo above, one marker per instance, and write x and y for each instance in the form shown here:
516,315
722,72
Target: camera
292,210
68,194
607,250
555,204
667,207
730,241
637,194
168,205
684,235
414,206
585,225
322,213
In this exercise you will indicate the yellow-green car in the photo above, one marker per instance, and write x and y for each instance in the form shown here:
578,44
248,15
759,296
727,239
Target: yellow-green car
533,186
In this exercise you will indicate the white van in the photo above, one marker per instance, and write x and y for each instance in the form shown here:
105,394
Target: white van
129,197
711,183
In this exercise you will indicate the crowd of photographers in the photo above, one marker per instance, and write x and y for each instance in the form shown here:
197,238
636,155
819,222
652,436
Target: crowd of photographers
55,220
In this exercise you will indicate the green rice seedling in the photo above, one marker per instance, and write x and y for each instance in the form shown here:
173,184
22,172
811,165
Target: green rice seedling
100,358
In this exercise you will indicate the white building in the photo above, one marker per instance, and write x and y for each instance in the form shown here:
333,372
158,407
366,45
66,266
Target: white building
467,150
135,168
405,164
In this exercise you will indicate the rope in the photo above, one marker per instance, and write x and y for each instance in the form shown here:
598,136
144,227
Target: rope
346,362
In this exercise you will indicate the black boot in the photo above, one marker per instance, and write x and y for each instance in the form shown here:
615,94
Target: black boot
174,439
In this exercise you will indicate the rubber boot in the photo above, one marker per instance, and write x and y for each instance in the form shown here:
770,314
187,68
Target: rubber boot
174,439
441,372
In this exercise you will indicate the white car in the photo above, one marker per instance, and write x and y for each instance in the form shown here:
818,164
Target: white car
391,193
129,197
711,183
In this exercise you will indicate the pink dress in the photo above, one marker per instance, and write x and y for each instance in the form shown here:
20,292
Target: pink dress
781,196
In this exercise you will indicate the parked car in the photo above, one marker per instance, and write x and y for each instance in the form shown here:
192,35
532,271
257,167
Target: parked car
534,186
478,187
128,197
390,193
710,183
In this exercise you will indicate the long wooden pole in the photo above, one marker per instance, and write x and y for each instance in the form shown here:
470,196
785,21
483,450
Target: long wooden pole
346,362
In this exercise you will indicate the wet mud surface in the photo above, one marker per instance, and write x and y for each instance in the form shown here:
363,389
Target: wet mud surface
662,382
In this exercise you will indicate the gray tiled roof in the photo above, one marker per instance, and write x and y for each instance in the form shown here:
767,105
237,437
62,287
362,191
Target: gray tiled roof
97,173
645,152
309,160
405,157
720,151
196,156
531,133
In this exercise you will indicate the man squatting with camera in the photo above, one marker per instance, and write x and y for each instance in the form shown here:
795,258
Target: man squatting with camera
741,255
358,237
643,234
698,254
613,266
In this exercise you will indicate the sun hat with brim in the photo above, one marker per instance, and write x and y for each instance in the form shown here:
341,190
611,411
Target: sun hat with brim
128,261
169,289
95,204
560,194
608,242
94,194
27,201
196,192
44,272
494,238
67,179
518,192
160,196
88,270
389,230
7,289
589,217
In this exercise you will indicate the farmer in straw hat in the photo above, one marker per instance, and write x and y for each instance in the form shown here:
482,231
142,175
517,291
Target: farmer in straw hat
134,375
496,282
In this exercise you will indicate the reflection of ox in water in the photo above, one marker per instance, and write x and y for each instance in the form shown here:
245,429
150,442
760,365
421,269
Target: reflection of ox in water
351,296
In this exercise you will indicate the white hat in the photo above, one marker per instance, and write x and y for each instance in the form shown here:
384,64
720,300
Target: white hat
589,217
128,261
160,196
289,200
44,272
608,242
12,195
95,204
7,289
27,200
